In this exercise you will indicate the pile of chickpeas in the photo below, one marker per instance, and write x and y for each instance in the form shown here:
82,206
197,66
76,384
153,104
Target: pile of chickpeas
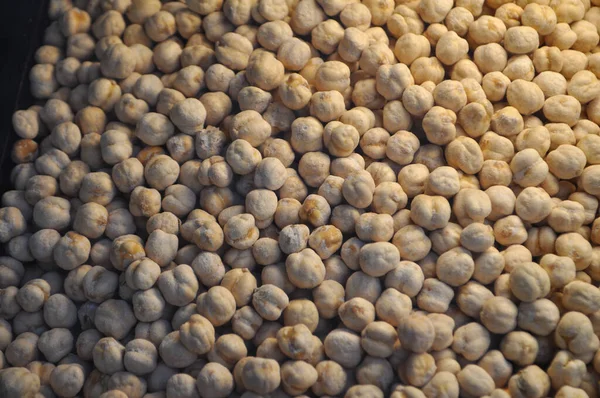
306,198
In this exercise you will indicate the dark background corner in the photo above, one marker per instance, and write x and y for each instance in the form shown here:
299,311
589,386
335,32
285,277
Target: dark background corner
22,23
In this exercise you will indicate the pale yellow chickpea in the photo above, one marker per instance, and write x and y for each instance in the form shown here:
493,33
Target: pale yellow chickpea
413,178
551,83
510,230
451,48
497,147
561,37
327,105
392,80
528,168
464,154
521,39
587,37
458,20
526,97
583,86
537,138
427,69
402,146
430,212
411,46
520,67
432,33
566,161
487,29
439,125
562,109
340,139
533,204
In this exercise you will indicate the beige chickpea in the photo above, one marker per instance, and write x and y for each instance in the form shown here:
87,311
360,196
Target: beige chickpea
528,168
458,20
519,67
531,381
579,296
551,83
356,313
439,125
294,54
526,97
537,138
540,17
567,216
161,171
548,59
446,238
365,94
561,37
354,41
215,380
250,126
443,181
583,86
455,266
327,105
402,146
295,92
450,95
465,154
499,315
417,100
566,161
510,230
411,46
562,109
529,282
325,240
432,12
475,380
495,172
451,48
412,242
396,117
217,305
388,198
416,333
358,189
305,269
507,122
43,80
477,237
378,339
519,347
576,247
430,212
521,39
343,346
588,178
471,341
533,204
256,72
269,301
331,190
413,179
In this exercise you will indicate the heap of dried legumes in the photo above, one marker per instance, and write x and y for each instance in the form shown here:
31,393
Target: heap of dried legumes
306,198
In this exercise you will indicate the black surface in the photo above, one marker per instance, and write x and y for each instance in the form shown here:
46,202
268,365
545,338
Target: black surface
22,23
